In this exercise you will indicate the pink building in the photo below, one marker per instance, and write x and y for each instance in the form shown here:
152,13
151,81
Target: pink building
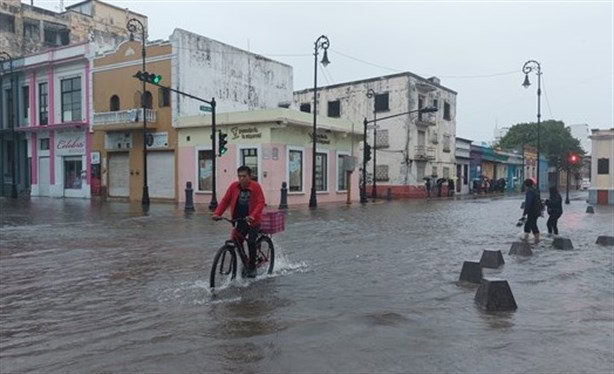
58,130
277,145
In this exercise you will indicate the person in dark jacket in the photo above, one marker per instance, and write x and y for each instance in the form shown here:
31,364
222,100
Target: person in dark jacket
532,210
555,210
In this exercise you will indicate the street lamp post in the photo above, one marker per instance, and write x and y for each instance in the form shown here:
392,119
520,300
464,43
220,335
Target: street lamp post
321,43
4,56
371,94
134,25
527,68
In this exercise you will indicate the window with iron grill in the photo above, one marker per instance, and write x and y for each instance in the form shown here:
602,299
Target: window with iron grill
381,103
381,173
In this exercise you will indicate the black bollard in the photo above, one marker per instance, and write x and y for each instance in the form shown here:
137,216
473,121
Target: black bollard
605,240
283,203
495,295
471,272
590,209
389,194
521,249
562,243
189,201
491,259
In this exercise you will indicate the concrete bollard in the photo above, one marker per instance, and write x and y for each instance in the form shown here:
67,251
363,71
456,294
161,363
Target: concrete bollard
283,203
522,205
605,240
389,194
471,272
521,249
495,295
562,243
590,209
491,259
189,200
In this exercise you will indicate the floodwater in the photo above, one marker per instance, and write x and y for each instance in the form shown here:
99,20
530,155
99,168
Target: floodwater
88,287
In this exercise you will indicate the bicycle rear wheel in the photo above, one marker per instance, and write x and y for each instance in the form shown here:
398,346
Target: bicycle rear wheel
265,256
224,266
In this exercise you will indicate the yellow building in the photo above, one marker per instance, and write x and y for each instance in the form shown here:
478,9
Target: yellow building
119,129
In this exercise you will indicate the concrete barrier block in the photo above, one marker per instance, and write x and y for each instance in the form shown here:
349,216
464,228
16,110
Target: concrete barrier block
491,259
495,295
590,209
471,272
521,249
562,243
605,240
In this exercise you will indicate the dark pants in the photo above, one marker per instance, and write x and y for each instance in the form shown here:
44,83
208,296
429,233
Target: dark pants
251,233
552,223
531,224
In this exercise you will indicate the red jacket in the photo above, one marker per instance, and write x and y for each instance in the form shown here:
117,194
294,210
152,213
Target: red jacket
256,201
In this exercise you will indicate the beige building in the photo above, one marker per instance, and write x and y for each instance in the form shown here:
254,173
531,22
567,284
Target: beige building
602,167
27,29
118,124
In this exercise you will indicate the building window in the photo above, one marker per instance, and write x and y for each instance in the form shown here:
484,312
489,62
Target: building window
295,170
51,36
205,170
420,106
10,108
321,172
334,109
45,144
603,166
446,172
382,139
434,173
72,173
71,99
342,184
25,92
466,172
164,97
43,111
114,103
148,100
249,158
30,31
446,143
7,23
446,111
306,108
435,103
381,173
381,103
420,170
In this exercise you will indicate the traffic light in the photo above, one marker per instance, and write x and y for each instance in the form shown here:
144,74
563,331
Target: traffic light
222,142
573,158
367,154
148,77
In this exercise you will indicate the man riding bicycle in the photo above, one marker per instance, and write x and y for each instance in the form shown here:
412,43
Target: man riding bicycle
246,201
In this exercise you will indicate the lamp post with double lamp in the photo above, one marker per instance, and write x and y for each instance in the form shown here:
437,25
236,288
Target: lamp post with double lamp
4,56
527,68
363,196
321,43
134,26
371,95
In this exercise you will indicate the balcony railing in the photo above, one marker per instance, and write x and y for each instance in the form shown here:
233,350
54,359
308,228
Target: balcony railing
424,153
426,119
124,116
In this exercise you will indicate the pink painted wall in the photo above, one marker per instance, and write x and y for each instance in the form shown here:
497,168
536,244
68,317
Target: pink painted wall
88,134
34,159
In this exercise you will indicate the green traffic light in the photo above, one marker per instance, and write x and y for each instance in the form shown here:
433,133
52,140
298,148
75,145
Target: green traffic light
222,151
156,78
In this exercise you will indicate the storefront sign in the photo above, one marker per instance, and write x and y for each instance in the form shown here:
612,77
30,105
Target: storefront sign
95,158
70,143
322,138
248,133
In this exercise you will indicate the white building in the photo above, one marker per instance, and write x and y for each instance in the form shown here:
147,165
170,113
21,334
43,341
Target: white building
602,167
409,147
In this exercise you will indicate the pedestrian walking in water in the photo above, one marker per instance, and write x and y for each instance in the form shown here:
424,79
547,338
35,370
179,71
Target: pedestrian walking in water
532,210
555,210
427,185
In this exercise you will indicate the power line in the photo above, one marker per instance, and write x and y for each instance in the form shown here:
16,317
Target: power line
546,96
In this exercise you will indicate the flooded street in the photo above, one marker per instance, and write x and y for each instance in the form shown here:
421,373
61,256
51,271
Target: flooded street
90,287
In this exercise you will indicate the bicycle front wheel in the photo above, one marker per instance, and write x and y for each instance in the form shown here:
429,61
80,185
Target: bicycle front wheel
265,256
224,267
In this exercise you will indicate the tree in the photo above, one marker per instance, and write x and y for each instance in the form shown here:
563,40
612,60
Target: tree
556,142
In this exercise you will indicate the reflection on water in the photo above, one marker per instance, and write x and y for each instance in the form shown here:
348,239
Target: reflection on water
90,287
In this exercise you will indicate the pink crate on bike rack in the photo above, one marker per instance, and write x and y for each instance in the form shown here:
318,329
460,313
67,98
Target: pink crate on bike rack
273,222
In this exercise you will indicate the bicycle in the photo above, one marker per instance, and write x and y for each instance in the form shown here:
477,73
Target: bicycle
225,260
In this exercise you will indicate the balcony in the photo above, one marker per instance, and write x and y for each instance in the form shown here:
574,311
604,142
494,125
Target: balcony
424,153
427,119
124,119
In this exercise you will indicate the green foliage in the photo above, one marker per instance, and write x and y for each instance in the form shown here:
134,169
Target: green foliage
556,141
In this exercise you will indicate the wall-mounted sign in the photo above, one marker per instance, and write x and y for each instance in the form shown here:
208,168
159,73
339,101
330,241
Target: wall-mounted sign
321,138
247,133
95,158
70,143
157,140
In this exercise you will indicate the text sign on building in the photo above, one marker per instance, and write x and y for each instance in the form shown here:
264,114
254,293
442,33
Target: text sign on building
70,143
245,133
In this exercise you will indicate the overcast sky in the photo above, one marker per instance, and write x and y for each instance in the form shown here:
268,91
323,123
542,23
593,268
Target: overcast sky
476,48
